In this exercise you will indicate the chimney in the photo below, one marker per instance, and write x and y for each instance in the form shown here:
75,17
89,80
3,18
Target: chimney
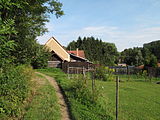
77,51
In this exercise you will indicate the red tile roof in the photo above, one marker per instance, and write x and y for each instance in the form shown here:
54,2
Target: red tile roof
79,53
141,67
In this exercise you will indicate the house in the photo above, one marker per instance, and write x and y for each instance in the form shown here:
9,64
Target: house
77,52
122,64
59,55
77,56
141,67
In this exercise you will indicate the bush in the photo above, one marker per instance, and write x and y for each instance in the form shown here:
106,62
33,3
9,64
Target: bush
104,73
41,58
14,86
83,93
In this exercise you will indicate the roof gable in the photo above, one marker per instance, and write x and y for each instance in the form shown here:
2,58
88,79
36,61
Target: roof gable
55,46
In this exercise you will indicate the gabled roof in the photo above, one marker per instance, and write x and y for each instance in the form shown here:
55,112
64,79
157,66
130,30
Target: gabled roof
56,47
79,53
140,67
80,58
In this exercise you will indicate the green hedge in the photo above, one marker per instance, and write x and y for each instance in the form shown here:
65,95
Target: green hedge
14,86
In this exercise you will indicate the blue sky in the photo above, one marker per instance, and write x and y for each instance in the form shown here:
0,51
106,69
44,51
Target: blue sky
127,23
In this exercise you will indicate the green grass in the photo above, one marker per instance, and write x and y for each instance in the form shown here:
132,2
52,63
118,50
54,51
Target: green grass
43,104
137,100
81,106
138,78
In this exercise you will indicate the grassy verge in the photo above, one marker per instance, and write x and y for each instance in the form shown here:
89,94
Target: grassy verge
42,103
82,105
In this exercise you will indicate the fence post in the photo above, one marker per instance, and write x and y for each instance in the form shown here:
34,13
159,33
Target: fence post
92,84
68,71
77,72
84,72
117,96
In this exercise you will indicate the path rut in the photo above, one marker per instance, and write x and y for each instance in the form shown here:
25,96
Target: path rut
63,106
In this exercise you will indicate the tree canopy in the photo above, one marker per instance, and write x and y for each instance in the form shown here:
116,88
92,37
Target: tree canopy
138,56
96,50
154,48
21,22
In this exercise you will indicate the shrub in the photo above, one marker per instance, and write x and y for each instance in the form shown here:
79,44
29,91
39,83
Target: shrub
40,60
104,73
83,93
145,74
14,86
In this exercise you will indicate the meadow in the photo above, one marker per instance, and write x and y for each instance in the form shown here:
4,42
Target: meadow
139,99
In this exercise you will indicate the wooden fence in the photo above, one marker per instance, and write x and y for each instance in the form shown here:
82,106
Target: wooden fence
152,72
125,70
76,67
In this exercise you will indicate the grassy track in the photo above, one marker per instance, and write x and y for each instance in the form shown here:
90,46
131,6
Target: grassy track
81,107
43,104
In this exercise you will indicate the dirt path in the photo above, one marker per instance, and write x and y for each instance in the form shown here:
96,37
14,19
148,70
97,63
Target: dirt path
61,100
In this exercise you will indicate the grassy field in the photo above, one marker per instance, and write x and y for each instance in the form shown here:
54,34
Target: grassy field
42,103
138,100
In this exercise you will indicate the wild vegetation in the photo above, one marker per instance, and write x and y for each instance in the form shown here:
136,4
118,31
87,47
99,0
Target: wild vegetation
104,73
20,23
14,88
96,50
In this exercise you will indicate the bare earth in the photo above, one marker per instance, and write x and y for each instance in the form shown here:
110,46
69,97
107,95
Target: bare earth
60,97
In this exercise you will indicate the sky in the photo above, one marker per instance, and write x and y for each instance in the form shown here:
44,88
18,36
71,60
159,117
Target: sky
127,23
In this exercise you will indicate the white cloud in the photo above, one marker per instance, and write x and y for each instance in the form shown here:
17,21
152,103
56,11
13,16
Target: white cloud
122,38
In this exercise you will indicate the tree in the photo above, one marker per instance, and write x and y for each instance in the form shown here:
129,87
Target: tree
139,56
132,56
6,45
96,50
28,20
41,58
150,59
154,48
153,61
